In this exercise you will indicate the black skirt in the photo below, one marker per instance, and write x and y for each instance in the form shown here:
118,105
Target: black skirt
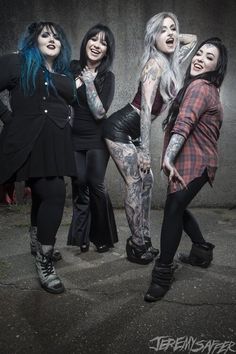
52,154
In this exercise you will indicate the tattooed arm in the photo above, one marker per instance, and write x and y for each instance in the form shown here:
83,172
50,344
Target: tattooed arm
176,143
94,102
187,44
149,80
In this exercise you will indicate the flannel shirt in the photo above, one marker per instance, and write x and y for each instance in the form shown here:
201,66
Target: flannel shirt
199,121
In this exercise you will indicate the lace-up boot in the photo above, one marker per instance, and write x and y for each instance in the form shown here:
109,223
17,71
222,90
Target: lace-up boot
46,271
34,244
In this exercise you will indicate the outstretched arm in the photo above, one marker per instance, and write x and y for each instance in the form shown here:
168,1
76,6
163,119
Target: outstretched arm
174,147
187,44
149,80
94,102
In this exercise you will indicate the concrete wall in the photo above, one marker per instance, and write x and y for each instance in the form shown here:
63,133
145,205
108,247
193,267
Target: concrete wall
127,19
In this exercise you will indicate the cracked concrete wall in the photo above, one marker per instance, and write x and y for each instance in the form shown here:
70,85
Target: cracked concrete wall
127,19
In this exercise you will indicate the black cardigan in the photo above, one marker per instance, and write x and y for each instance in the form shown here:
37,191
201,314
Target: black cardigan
23,124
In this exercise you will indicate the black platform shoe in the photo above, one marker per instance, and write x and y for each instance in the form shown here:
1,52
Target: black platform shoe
201,255
138,254
153,250
102,249
162,278
84,247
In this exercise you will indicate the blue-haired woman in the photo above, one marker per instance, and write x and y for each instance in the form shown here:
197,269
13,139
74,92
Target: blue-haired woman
35,144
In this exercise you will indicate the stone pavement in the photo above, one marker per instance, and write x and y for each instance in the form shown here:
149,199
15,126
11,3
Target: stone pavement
102,310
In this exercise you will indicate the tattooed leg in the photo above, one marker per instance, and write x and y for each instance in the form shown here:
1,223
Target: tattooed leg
148,181
125,158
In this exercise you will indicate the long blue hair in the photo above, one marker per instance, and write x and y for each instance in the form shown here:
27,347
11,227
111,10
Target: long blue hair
33,60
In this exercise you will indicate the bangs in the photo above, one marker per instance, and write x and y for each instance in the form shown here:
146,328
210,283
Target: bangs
50,27
94,31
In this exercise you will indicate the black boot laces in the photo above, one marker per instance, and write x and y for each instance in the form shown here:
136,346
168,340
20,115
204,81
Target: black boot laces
47,266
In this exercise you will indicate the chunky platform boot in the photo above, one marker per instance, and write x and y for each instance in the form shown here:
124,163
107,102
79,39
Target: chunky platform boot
138,254
46,271
162,278
34,242
201,255
150,248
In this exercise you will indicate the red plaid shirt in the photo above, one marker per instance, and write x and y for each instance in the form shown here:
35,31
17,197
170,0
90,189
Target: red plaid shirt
199,121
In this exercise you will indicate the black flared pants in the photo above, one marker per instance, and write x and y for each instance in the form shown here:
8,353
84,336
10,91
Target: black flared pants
93,217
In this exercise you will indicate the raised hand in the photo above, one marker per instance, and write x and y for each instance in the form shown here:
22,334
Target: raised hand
87,76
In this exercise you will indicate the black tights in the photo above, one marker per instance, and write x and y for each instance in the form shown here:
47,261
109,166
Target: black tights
48,199
177,218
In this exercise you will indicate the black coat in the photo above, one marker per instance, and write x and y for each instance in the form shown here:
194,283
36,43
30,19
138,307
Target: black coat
23,124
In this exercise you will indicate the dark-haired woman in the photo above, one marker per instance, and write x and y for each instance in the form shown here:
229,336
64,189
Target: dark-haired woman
190,160
93,218
36,144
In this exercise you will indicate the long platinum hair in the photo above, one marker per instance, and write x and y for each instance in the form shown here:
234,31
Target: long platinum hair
170,78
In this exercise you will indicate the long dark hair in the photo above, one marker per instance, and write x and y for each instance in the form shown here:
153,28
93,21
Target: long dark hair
107,60
215,78
33,59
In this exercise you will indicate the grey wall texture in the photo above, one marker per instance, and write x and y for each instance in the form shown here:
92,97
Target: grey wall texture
127,19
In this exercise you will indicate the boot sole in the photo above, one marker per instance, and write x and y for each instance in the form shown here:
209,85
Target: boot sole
149,298
53,291
186,261
139,261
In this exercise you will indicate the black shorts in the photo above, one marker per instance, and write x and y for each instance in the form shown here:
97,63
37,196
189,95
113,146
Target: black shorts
123,126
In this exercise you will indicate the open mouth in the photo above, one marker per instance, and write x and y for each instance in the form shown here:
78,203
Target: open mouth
51,46
170,41
95,52
198,66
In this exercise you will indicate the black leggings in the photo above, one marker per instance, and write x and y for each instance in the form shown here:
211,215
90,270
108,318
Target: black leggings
177,218
48,199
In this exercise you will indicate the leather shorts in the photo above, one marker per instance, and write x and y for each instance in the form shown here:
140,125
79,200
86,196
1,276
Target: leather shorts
123,126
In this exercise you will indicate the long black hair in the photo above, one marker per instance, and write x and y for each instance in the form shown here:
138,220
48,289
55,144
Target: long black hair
33,59
215,78
106,62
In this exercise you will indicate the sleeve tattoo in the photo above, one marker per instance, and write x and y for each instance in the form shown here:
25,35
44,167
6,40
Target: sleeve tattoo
174,147
94,101
188,43
150,81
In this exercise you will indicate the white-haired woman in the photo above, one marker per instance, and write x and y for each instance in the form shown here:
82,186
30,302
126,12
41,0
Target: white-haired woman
127,131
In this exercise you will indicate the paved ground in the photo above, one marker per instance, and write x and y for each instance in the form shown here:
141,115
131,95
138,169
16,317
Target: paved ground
102,310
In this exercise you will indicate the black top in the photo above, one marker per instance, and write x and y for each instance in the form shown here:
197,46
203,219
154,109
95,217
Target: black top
86,130
26,121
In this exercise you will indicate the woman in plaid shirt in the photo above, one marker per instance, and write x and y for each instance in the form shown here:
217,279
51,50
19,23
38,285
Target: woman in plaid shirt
192,129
